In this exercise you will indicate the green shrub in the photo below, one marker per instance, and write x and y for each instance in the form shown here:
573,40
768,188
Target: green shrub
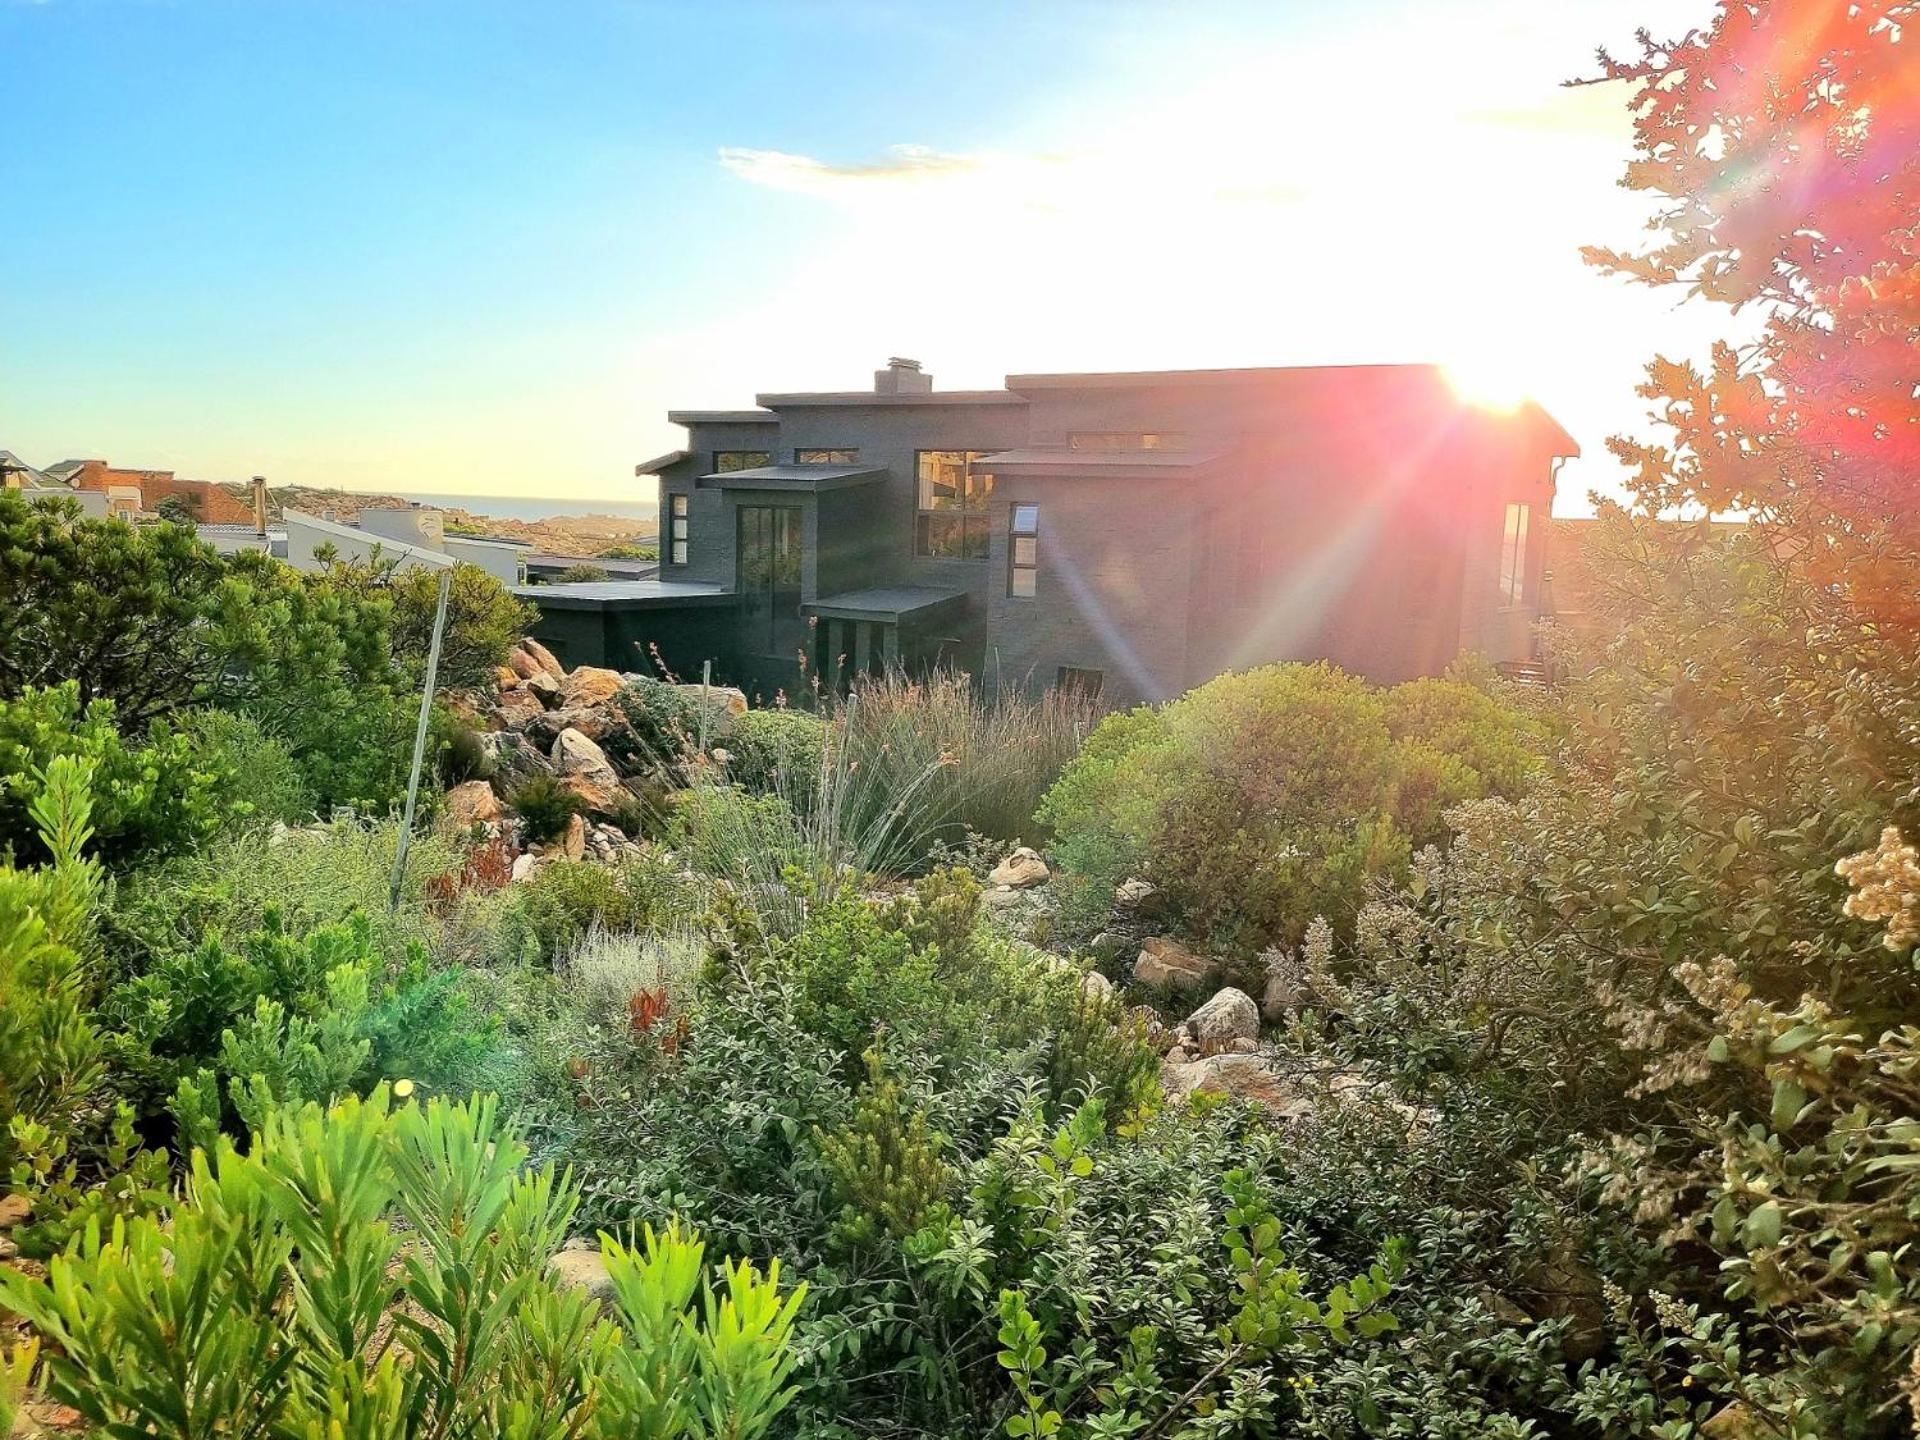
582,575
264,782
221,1032
459,755
362,1271
148,798
545,805
778,752
308,877
50,1060
484,619
661,726
1265,798
543,919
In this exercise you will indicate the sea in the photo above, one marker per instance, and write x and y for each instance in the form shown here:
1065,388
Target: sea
534,507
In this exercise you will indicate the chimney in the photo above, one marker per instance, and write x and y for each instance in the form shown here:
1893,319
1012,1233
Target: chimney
902,377
260,506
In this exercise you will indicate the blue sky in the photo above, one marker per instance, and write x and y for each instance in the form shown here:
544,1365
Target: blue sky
483,247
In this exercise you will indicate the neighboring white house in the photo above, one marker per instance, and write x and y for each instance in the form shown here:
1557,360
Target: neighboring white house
414,536
309,535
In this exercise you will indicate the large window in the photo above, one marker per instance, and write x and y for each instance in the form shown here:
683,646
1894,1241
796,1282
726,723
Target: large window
725,462
826,457
677,529
1126,440
953,504
1023,551
1513,556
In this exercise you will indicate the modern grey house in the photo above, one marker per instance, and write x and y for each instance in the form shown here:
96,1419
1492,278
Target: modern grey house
1134,534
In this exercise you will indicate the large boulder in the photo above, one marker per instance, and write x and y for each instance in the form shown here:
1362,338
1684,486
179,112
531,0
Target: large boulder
590,721
472,803
515,710
543,657
1165,961
1095,986
1136,897
504,678
523,665
589,685
545,688
1245,1077
1021,869
514,759
722,703
1229,1015
586,769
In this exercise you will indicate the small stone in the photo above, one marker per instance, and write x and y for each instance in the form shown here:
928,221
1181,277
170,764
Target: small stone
505,677
999,897
1134,894
1108,946
580,1268
1244,1046
15,1210
523,665
545,688
1278,1000
1020,870
523,866
1095,986
1229,1015
472,803
1165,961
573,844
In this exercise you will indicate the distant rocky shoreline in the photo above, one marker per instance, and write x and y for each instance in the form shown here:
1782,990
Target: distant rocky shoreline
583,535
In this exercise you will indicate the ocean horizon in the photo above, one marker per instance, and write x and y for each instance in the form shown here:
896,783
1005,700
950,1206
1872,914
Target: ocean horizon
534,507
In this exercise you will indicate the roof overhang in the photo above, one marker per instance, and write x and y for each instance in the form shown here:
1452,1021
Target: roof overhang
809,479
721,417
626,595
662,462
888,604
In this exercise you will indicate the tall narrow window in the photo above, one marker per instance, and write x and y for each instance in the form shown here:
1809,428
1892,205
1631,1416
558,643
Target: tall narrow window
1023,552
725,462
826,457
953,504
677,529
1513,556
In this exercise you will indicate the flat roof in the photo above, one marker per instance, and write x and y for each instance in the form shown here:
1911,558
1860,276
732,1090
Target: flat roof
721,417
625,595
385,544
868,397
795,477
1129,379
1063,459
886,602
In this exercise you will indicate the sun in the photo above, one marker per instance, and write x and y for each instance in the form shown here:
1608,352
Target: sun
1489,381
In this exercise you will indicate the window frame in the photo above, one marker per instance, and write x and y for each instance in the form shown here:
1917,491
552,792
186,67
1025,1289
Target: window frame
678,549
975,520
852,453
1515,537
720,457
1015,534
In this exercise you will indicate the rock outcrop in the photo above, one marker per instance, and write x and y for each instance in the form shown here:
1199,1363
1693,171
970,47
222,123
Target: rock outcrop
1165,961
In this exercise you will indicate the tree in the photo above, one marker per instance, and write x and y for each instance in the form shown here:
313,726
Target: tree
179,509
1785,139
484,620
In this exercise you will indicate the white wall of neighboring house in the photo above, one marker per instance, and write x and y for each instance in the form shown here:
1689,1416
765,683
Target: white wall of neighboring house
506,563
416,525
308,534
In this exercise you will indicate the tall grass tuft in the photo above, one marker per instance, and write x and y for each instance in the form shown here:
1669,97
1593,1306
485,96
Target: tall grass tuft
978,763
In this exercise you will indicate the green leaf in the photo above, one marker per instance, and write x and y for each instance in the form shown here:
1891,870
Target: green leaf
1762,1230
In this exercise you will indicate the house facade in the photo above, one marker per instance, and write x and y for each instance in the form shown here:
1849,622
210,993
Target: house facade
1134,534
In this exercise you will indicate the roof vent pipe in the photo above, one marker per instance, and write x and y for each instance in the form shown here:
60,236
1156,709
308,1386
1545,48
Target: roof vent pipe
260,506
902,377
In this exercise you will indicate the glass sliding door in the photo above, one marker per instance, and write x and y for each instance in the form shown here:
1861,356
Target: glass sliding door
769,581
